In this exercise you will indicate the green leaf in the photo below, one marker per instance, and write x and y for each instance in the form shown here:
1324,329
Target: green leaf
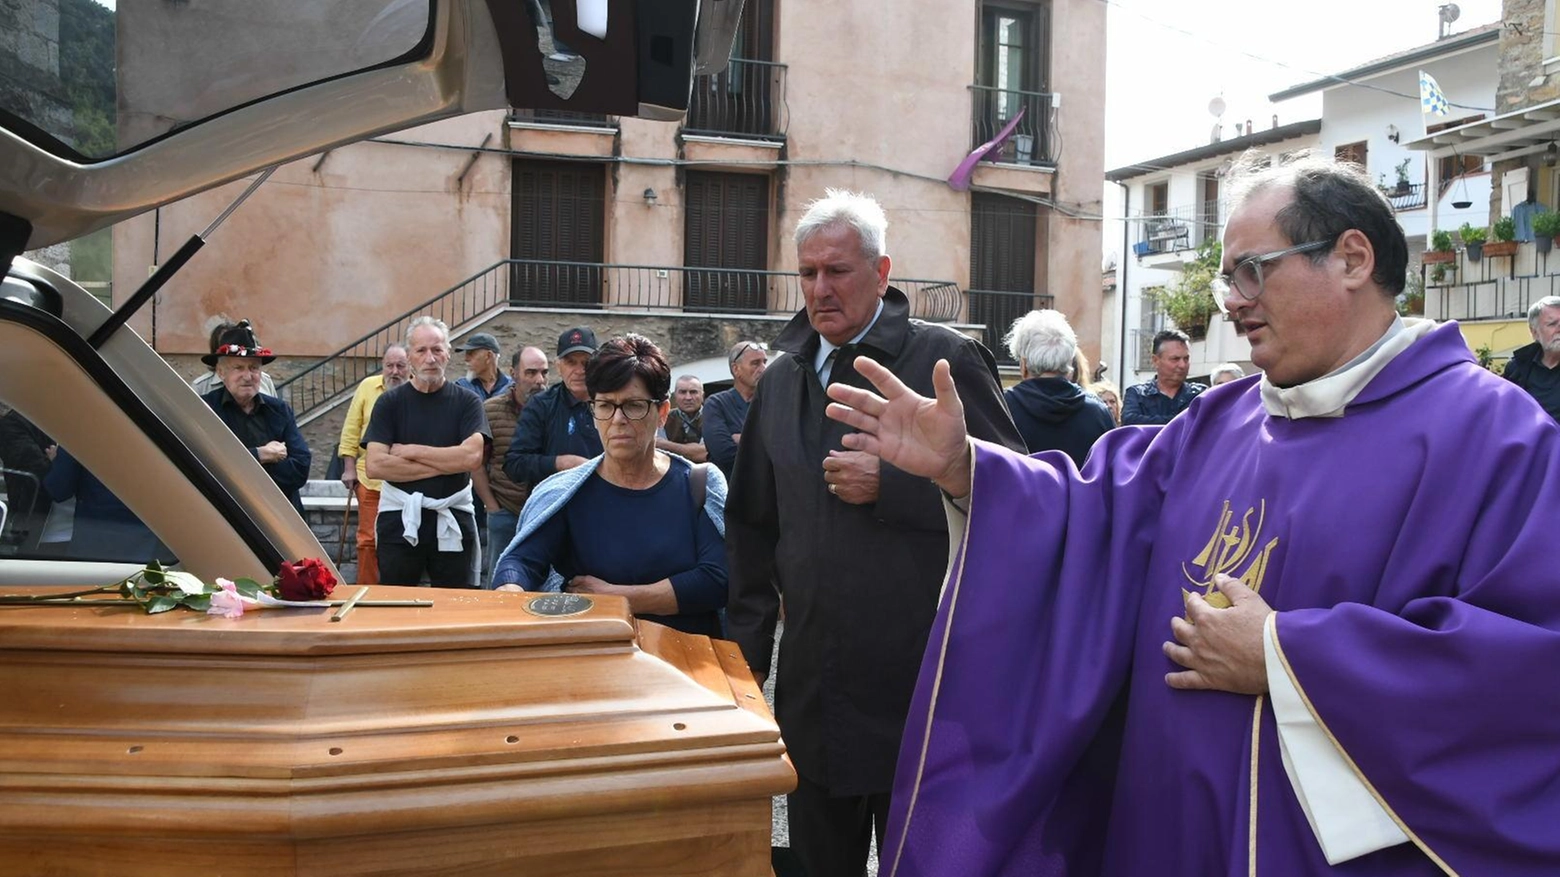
160,604
153,574
248,587
199,604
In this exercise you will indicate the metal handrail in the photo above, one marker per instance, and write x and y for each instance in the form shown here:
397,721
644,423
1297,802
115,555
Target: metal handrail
997,309
994,108
747,99
539,283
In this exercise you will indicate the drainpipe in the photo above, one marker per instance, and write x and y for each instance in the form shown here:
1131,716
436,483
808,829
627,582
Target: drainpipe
1121,283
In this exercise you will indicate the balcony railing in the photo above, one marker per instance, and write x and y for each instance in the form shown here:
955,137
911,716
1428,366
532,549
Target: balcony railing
1183,228
746,99
1494,287
1409,197
1031,142
537,283
998,310
562,117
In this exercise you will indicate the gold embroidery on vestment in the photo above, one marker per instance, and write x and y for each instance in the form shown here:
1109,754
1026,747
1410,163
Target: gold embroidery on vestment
1231,547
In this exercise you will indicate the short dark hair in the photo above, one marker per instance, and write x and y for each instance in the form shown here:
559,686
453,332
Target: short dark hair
1330,198
621,359
514,361
1165,335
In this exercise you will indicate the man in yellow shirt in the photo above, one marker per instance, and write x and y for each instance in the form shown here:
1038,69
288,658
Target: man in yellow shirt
393,373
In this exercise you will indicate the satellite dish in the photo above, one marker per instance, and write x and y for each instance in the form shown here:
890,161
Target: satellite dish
1216,107
1449,13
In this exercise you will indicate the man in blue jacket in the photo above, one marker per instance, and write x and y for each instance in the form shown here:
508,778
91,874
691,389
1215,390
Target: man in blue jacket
265,424
556,431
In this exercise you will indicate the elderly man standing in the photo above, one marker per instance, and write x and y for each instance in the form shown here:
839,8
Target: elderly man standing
684,430
393,367
857,550
500,495
423,441
265,424
1536,367
1169,393
1285,634
556,431
726,411
483,375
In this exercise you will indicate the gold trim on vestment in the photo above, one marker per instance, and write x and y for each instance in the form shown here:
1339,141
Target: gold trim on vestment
1278,649
1256,745
955,576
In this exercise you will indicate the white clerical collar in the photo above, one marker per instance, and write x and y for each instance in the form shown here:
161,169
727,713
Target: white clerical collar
825,348
1330,394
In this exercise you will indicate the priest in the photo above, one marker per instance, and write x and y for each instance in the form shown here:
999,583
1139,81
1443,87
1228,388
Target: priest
1306,628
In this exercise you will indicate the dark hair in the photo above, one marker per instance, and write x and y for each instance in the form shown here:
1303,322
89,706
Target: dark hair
1329,199
514,361
621,359
217,332
1170,335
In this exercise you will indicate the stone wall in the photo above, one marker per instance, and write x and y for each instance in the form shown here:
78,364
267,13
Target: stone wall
1522,81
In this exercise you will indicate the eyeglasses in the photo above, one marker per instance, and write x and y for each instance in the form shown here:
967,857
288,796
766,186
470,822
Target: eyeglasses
633,409
1247,279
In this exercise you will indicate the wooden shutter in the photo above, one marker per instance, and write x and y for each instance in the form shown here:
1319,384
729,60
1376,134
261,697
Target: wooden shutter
559,216
1002,263
727,226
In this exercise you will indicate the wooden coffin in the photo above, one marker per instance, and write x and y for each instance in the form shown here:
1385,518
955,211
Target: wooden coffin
472,737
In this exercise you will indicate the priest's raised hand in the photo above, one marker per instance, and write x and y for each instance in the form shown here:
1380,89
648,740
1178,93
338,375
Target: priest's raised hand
918,435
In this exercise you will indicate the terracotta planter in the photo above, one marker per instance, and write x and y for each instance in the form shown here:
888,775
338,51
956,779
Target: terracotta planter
1433,256
1500,248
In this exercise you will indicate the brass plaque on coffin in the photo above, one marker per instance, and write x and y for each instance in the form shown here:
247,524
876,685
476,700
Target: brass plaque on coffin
558,605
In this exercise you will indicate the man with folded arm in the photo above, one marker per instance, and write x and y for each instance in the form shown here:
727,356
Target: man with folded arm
423,441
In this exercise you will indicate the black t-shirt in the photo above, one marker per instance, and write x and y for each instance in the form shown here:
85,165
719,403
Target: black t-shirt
441,419
1544,384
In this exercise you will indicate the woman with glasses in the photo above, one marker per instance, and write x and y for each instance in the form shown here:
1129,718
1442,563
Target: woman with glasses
633,522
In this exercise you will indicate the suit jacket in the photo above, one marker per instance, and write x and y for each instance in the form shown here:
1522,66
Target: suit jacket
859,582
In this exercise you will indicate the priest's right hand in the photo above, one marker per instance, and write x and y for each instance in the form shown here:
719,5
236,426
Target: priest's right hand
916,434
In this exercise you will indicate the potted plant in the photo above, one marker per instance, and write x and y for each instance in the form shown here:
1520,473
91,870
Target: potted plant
1545,227
1441,249
1505,243
1473,241
1188,299
1403,187
1412,301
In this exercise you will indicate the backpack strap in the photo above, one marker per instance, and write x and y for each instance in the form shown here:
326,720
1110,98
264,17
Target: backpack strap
696,480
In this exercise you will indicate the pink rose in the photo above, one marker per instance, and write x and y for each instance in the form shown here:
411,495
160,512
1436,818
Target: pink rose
225,601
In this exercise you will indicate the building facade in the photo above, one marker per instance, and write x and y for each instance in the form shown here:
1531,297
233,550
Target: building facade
682,229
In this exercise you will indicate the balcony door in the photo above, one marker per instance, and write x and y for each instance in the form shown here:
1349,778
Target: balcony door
559,213
727,229
740,99
1012,77
1002,264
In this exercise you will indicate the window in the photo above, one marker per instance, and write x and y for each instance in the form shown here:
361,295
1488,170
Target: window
1355,152
1159,199
1451,167
56,509
1012,77
727,227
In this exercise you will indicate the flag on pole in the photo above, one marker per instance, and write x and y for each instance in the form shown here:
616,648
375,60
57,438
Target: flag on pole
1431,98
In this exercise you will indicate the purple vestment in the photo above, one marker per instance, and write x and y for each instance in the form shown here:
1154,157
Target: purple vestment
1410,549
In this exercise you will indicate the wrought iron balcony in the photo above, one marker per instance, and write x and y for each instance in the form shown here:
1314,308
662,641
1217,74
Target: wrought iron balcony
562,117
997,310
1173,231
1031,143
747,99
1406,197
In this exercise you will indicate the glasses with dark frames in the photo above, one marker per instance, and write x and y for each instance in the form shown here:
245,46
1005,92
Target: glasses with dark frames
633,409
1247,280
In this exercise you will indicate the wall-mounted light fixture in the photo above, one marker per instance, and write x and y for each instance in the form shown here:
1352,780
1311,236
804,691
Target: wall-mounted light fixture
1393,133
650,197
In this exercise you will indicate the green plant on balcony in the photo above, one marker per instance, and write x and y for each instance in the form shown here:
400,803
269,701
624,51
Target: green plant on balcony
1188,300
1545,227
1473,241
1505,243
1441,248
1403,186
1412,299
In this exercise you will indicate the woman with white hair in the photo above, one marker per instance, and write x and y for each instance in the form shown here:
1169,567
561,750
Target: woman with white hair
1052,412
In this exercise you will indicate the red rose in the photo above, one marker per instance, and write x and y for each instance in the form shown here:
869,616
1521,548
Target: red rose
308,579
